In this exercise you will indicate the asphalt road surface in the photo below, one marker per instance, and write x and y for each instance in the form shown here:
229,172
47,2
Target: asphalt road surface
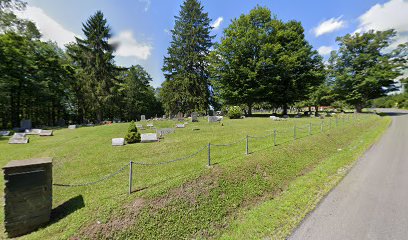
371,202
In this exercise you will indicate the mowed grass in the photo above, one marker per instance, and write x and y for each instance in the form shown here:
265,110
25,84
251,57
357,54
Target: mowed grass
185,199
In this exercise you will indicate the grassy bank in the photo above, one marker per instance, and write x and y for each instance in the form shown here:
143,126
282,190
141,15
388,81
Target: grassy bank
181,200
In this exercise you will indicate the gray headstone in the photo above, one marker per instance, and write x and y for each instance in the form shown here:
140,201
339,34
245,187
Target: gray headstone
214,118
32,131
140,126
143,118
72,126
180,125
164,116
148,137
18,135
164,131
4,133
118,141
150,125
18,140
194,117
46,133
26,124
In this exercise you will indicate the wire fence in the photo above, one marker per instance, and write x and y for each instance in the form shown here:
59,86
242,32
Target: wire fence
296,130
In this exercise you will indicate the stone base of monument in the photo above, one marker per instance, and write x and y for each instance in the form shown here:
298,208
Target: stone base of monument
148,137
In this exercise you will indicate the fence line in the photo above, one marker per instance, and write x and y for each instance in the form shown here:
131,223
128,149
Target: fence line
293,130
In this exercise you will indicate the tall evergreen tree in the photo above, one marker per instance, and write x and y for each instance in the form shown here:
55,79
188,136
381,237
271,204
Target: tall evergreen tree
186,86
97,60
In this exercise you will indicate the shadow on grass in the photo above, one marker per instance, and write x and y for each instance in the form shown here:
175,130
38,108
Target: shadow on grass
65,209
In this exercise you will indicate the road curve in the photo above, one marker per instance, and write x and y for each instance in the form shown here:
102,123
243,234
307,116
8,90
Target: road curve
371,202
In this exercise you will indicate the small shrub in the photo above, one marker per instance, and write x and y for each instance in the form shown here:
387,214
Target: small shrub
234,112
132,135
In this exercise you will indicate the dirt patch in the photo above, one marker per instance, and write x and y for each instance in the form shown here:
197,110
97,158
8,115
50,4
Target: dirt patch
100,230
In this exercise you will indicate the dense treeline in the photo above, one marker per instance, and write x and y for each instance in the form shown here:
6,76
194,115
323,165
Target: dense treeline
44,83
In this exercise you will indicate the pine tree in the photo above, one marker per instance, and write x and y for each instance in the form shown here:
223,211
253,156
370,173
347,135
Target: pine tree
186,87
97,60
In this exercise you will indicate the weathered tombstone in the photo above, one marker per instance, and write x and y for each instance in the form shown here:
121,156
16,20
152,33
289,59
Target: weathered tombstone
150,125
72,126
4,133
46,133
194,117
180,126
140,126
32,131
213,119
164,116
118,141
142,118
148,137
25,124
18,135
27,195
164,131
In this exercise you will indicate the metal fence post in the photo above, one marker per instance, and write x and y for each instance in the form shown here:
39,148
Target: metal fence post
246,147
209,154
274,137
310,129
130,177
294,132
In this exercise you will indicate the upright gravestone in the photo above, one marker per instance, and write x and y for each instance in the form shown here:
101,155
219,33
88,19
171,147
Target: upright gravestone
46,133
118,141
142,118
164,116
194,117
148,137
27,195
72,126
25,124
213,119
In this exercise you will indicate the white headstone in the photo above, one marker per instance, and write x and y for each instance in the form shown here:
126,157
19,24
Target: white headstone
142,118
140,126
18,140
18,135
164,131
150,125
118,141
148,137
4,133
180,125
46,133
32,131
72,126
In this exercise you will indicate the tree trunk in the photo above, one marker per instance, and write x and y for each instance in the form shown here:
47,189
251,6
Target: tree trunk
285,109
310,110
249,109
316,111
359,108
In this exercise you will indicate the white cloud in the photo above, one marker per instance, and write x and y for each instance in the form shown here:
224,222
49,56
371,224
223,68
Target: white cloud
147,4
216,24
49,28
130,47
325,50
329,26
392,14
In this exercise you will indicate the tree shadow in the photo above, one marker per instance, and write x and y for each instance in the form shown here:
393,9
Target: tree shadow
67,208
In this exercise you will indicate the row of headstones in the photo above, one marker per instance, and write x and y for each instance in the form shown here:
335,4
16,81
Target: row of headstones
21,138
148,137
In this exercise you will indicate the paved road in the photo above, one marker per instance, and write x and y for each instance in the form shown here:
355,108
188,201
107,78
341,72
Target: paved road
372,200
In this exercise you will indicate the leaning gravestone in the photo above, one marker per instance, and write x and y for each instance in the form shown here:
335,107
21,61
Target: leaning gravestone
72,126
148,137
164,131
143,118
4,133
25,124
180,125
194,117
118,141
46,133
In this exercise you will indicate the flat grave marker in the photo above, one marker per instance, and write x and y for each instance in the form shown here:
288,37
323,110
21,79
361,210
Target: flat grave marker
180,126
4,133
32,131
140,126
164,131
18,140
46,133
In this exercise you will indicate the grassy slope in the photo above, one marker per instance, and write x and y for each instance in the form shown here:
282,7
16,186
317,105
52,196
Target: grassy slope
85,155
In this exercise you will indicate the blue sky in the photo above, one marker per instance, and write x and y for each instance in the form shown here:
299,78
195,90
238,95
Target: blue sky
142,26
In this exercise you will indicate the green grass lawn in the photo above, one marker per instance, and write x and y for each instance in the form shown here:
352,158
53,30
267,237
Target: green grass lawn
187,199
